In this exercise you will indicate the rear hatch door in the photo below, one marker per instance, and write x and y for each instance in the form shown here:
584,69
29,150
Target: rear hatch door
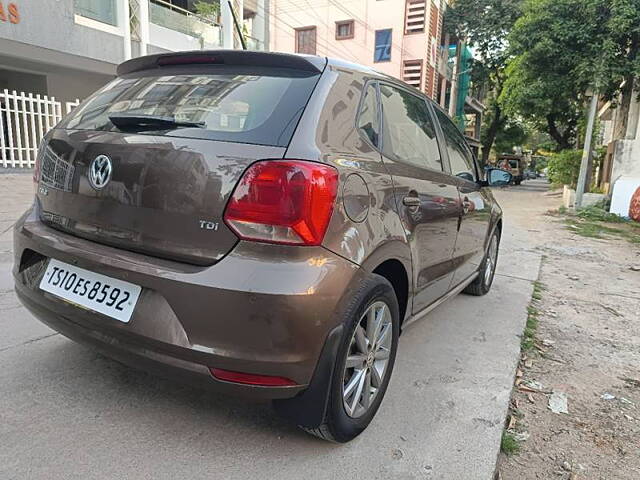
168,183
165,197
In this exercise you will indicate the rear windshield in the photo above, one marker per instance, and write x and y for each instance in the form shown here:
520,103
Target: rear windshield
236,104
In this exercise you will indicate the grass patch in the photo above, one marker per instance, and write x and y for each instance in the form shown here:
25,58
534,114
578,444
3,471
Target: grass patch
528,337
599,214
595,222
509,445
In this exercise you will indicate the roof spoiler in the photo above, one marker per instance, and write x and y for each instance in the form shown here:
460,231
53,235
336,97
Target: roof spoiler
307,63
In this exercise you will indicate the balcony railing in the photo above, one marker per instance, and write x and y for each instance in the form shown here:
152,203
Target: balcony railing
175,18
105,11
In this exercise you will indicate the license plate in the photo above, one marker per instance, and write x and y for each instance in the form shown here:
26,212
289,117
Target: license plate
90,290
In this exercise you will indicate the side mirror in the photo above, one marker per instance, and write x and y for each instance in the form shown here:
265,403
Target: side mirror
497,177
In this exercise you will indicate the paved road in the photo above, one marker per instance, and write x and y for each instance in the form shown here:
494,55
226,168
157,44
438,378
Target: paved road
67,412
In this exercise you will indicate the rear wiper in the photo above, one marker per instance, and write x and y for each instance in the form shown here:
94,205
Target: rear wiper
124,120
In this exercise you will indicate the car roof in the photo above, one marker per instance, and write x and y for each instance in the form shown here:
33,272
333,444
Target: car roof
313,63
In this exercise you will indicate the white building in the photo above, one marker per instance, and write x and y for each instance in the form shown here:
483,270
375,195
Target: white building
621,137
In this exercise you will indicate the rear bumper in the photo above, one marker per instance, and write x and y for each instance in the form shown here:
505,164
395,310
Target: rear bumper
263,309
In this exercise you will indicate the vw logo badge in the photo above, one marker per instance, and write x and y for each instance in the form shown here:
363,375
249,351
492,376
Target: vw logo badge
100,172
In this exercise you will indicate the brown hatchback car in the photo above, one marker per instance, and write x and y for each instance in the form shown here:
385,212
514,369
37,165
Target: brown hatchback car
264,224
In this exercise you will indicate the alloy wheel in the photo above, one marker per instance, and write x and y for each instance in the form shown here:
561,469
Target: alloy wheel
367,359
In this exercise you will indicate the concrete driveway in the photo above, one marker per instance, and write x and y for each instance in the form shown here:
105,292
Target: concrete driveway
67,412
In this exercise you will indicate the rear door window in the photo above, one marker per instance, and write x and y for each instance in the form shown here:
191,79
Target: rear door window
409,134
460,156
259,106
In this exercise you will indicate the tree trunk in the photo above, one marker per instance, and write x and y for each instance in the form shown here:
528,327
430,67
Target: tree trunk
492,132
561,139
622,115
497,121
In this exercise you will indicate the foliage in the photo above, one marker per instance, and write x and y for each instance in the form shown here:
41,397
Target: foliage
540,84
598,229
207,9
538,142
529,335
541,163
563,48
599,214
614,55
508,444
564,167
596,222
512,134
485,24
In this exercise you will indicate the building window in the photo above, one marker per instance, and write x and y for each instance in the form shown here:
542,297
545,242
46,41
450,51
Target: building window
415,16
344,30
382,52
104,11
306,40
412,73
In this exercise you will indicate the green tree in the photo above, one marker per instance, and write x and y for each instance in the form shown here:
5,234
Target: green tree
620,56
208,9
485,24
512,134
563,48
564,167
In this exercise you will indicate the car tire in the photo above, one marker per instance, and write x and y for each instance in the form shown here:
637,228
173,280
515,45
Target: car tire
482,284
342,423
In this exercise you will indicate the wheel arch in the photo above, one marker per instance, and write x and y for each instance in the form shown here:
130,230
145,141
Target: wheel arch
393,270
392,261
494,226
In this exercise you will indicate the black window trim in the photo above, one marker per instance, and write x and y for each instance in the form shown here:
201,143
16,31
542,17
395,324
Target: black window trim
367,83
444,160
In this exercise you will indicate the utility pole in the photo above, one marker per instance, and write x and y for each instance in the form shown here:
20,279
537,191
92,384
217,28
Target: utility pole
453,99
143,19
442,99
586,152
126,26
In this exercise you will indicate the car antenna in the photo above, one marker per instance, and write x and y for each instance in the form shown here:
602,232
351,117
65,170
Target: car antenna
235,22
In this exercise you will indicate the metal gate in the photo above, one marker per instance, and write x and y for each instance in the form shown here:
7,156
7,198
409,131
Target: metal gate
24,120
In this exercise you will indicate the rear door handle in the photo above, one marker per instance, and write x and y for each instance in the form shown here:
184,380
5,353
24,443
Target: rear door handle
411,201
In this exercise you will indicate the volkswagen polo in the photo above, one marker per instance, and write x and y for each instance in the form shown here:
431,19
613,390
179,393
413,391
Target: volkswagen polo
262,224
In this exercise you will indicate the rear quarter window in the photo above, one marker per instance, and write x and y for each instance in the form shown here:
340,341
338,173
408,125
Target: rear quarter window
236,104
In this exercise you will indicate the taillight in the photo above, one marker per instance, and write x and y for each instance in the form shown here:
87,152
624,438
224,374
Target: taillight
283,201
